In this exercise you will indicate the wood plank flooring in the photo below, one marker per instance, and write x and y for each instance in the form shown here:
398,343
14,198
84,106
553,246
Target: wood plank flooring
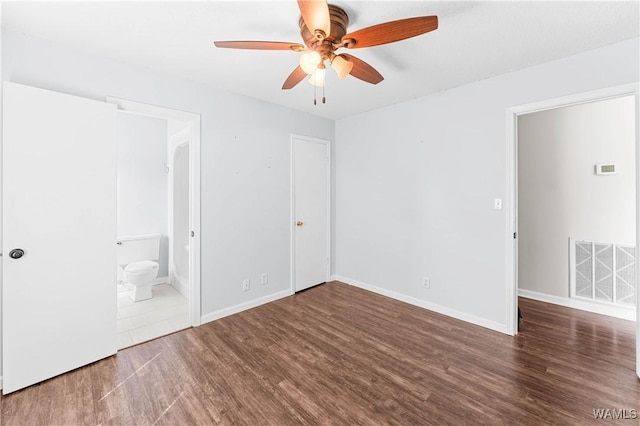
339,355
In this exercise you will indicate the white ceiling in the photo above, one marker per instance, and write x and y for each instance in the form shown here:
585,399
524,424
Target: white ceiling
475,40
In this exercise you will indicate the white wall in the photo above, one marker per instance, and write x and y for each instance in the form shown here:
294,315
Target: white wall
245,159
560,196
415,184
143,183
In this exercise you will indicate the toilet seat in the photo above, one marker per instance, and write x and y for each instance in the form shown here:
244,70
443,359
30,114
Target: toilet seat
141,266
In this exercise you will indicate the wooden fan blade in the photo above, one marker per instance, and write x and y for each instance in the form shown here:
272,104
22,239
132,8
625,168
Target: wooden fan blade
260,45
315,14
389,32
294,78
363,70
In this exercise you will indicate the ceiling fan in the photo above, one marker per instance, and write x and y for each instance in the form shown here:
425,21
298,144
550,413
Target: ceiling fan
323,28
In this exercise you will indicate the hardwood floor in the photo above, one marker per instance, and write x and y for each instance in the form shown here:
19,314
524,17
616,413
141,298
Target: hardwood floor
336,354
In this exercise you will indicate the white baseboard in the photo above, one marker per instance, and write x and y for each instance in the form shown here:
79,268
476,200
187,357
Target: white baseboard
182,288
160,280
482,322
584,305
243,306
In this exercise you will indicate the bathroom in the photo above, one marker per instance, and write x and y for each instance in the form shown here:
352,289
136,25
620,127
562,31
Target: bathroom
152,227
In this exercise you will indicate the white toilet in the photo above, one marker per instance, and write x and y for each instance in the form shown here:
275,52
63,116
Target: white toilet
137,257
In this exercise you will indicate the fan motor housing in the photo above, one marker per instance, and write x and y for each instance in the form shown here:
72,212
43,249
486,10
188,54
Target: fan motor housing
339,24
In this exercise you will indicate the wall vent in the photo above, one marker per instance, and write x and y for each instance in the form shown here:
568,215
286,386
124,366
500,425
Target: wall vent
603,272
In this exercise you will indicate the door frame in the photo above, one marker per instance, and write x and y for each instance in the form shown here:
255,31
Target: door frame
294,138
194,183
511,245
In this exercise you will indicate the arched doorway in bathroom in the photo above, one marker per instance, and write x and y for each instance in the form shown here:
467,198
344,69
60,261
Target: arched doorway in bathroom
158,194
179,231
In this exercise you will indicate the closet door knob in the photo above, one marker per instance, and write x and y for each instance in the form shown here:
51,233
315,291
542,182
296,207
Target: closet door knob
300,223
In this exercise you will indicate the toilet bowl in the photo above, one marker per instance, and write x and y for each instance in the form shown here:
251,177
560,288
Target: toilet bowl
140,275
137,257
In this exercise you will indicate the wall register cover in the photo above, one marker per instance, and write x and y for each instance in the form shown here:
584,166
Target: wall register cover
604,272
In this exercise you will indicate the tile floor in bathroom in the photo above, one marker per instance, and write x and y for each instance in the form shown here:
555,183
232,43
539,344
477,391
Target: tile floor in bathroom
165,313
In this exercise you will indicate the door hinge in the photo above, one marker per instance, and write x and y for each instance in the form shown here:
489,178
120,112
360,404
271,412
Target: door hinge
515,235
193,234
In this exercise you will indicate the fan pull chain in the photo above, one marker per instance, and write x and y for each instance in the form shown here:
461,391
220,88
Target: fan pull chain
315,96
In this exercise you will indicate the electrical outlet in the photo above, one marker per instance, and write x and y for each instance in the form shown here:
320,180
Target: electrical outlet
264,278
426,282
246,284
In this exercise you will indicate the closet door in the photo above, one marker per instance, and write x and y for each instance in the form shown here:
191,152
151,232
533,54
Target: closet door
311,207
59,234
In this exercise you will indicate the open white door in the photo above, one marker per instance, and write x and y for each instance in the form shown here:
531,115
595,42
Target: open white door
59,234
311,197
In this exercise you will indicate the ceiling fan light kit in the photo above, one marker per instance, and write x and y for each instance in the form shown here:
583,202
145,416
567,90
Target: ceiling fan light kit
323,28
318,77
309,61
341,66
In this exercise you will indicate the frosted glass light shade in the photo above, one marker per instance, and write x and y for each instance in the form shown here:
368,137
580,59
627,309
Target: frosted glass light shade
317,78
341,66
309,61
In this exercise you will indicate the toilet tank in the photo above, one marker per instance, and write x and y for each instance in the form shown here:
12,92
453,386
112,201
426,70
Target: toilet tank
135,248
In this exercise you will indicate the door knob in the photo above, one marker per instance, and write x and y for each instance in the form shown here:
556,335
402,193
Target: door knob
16,253
300,223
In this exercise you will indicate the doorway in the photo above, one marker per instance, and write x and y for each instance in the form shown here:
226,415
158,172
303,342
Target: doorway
574,220
59,277
513,115
175,301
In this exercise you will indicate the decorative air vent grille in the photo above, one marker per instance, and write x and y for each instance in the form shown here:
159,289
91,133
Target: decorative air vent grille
604,272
